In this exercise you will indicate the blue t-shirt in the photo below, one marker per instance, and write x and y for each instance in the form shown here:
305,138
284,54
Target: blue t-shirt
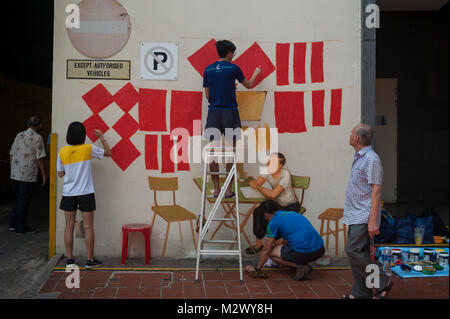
220,77
296,229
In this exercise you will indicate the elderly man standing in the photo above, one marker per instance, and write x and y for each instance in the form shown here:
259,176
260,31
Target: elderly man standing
362,212
26,155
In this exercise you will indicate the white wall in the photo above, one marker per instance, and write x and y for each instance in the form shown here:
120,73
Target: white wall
322,152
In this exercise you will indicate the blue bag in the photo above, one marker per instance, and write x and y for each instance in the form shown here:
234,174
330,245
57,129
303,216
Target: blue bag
404,231
387,228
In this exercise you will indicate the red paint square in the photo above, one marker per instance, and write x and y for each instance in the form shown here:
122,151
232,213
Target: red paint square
98,98
299,62
251,58
204,56
317,105
290,112
336,107
185,107
167,165
317,62
182,145
95,122
126,126
126,97
151,152
124,153
282,53
152,110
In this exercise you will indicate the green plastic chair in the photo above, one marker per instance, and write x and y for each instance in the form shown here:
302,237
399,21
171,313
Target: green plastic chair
301,182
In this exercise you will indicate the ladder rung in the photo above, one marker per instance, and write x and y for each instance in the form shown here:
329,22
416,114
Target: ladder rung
224,219
220,241
219,252
217,173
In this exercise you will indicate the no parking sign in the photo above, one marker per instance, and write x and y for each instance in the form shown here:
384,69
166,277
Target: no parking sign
159,61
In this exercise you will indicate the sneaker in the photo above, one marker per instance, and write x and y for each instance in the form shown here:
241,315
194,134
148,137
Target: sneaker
28,231
12,228
71,263
93,263
302,272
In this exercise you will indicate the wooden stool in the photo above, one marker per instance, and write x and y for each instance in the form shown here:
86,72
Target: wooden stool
332,214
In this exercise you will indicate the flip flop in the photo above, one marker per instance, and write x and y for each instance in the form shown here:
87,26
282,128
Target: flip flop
386,289
252,250
257,274
231,196
347,296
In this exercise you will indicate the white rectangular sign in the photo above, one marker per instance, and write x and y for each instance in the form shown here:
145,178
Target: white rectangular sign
159,61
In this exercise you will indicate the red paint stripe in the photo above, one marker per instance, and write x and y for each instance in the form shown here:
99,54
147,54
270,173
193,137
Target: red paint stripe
318,105
299,63
290,112
167,165
151,152
282,56
336,107
317,62
183,143
152,110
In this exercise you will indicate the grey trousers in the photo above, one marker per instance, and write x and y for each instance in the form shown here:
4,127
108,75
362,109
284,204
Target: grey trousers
358,252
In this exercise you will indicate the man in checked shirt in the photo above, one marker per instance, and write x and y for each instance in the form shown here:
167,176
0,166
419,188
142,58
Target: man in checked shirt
362,212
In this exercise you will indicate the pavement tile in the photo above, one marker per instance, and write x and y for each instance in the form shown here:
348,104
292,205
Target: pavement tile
215,283
237,290
49,286
104,292
127,293
150,293
212,275
258,289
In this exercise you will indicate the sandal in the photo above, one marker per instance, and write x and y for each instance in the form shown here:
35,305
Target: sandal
257,274
252,250
386,289
347,296
231,196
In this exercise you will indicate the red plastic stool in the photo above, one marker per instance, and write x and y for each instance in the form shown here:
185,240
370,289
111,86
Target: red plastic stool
142,228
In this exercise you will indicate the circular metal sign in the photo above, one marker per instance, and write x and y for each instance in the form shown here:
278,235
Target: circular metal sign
104,28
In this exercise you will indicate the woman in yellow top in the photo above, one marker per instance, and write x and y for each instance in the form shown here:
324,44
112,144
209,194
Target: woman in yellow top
74,164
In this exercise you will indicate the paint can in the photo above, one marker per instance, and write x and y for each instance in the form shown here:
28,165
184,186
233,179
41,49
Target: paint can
428,255
396,254
414,255
438,252
443,259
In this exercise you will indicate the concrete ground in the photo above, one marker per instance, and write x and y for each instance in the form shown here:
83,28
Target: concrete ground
24,265
219,284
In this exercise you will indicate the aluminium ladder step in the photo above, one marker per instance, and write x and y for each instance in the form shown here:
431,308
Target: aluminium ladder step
220,252
219,241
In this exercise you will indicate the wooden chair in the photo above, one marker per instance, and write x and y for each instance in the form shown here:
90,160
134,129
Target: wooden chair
301,182
170,213
332,214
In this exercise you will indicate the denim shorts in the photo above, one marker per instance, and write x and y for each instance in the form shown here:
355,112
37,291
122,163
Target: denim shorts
222,118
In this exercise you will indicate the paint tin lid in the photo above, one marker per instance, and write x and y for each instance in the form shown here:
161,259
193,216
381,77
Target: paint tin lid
414,250
417,268
396,251
428,251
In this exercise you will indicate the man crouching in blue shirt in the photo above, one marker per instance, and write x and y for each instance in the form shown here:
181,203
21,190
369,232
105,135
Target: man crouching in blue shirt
304,244
219,81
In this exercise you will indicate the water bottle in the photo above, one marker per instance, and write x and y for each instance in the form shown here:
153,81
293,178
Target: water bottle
387,259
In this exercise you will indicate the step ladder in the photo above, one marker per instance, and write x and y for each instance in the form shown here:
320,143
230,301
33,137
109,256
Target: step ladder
224,153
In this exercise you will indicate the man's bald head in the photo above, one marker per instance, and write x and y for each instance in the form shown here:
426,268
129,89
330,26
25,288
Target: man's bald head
34,121
365,133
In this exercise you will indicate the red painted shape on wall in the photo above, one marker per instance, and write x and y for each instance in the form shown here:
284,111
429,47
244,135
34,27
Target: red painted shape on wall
126,97
167,165
151,152
251,58
204,56
186,106
124,153
336,107
290,112
152,110
183,143
299,62
98,98
317,106
126,126
95,122
282,56
317,62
